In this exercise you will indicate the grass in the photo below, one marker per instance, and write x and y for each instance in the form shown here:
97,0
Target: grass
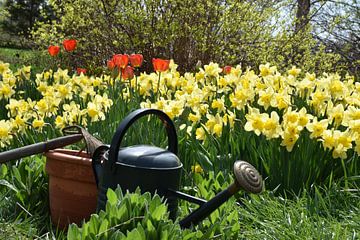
17,58
324,214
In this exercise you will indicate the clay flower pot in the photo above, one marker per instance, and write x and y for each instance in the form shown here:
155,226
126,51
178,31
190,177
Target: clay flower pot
72,187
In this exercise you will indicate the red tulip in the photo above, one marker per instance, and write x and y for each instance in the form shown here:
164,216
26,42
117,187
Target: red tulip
54,50
160,65
110,64
121,60
136,60
227,69
127,72
69,44
81,70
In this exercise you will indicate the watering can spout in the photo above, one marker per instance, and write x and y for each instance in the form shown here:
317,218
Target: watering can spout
247,178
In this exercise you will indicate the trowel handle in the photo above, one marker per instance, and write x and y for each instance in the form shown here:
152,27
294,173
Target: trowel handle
39,147
130,119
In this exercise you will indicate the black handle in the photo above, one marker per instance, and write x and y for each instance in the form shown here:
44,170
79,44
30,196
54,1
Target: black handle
97,162
130,119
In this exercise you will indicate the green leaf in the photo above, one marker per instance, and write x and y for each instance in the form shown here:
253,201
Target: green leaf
159,212
134,235
150,229
9,185
104,227
111,197
3,171
73,232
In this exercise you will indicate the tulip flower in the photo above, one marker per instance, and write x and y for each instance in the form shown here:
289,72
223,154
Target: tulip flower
110,64
81,70
69,44
227,70
136,60
127,72
121,60
54,50
160,65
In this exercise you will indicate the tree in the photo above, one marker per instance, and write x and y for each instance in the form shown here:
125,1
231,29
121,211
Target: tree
22,14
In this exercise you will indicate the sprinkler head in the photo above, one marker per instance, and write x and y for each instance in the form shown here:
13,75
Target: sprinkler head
247,177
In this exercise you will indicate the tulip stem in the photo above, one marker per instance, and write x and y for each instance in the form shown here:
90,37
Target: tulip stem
158,87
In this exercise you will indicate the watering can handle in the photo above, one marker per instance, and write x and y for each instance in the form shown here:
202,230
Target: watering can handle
130,119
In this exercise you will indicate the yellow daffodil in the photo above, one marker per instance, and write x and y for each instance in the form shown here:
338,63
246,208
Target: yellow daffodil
200,134
218,104
335,113
317,127
266,70
294,71
197,169
5,133
327,139
255,121
266,97
6,91
38,123
4,67
272,128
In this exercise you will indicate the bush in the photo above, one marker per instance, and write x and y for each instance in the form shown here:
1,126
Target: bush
190,32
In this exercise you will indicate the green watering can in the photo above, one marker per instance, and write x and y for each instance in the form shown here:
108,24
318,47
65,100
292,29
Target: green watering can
154,169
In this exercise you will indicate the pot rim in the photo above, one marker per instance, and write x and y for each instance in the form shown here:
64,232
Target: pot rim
69,155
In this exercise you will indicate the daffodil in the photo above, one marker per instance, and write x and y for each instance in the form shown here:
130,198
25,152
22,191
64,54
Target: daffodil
266,97
255,121
60,122
335,113
289,139
18,123
327,139
4,67
6,91
64,91
95,112
272,127
212,70
38,123
294,71
194,118
197,169
317,127
266,70
5,133
303,117
218,104
200,134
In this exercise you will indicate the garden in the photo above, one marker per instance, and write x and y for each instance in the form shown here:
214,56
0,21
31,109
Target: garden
236,81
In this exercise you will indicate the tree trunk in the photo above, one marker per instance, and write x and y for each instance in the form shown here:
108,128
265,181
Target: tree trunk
302,14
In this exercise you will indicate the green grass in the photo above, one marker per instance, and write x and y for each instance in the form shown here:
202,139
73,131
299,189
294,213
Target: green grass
320,213
17,58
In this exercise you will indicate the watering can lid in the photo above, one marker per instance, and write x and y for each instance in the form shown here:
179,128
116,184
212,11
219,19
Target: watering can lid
145,156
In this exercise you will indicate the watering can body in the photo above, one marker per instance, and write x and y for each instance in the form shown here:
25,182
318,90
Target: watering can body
151,168
158,170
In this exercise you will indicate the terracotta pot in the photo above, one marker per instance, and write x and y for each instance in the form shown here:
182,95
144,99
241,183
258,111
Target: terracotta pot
72,187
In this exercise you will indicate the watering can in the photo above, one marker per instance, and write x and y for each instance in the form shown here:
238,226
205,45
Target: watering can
154,169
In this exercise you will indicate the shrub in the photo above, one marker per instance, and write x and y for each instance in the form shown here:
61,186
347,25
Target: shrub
190,32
